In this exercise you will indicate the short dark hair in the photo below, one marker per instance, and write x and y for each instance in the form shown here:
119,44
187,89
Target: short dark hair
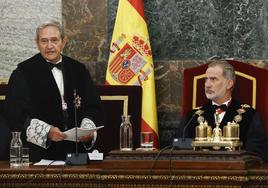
228,69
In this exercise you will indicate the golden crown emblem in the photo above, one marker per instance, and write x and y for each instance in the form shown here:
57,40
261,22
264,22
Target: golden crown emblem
141,46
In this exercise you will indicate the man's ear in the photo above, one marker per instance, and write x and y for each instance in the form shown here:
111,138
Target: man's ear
64,41
230,84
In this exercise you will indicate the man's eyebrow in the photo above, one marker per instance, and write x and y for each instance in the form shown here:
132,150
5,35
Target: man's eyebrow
210,77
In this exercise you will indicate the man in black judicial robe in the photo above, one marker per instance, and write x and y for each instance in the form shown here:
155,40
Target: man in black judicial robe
220,79
40,98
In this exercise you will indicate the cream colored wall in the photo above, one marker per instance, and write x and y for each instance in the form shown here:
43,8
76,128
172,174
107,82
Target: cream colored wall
17,29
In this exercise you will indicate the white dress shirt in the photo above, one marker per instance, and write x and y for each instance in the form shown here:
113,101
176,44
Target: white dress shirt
221,115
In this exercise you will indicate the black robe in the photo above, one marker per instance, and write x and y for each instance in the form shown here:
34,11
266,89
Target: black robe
252,131
33,93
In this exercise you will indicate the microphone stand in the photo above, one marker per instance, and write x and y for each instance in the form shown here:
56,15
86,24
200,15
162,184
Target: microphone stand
76,158
77,104
184,143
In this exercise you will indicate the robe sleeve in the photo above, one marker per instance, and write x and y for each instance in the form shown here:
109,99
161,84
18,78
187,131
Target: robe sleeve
37,133
18,106
18,109
257,139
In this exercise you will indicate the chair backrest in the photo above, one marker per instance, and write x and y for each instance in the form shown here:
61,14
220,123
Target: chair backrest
251,87
5,135
117,101
3,90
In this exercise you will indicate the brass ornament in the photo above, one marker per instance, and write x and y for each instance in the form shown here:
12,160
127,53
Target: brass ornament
199,112
238,118
241,110
200,119
229,140
245,106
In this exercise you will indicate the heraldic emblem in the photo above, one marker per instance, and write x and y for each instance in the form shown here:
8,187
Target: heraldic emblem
129,62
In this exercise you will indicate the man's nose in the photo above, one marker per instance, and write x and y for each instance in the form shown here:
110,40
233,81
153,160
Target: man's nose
49,44
207,83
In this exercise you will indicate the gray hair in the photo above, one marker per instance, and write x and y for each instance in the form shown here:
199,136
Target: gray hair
228,69
50,23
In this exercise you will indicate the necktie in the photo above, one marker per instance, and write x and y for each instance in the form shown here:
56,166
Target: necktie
220,108
223,107
58,65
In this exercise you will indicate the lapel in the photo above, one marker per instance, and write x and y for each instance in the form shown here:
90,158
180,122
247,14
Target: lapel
67,77
228,117
70,80
209,114
230,113
41,77
50,82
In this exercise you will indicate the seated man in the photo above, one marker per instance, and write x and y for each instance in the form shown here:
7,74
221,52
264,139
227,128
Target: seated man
222,108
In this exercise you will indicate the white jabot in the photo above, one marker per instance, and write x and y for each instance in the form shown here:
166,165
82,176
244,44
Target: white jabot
58,76
57,73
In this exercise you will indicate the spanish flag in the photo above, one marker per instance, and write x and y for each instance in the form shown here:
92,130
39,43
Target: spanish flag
130,60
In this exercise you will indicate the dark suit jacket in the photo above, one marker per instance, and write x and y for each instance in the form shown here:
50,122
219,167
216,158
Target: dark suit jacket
252,132
33,93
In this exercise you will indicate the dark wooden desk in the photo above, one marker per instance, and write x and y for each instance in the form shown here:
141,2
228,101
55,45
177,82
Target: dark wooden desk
136,172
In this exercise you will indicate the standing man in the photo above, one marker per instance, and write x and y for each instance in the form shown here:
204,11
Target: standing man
40,97
222,108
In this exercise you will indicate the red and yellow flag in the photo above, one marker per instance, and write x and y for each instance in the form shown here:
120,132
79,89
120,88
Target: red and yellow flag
130,61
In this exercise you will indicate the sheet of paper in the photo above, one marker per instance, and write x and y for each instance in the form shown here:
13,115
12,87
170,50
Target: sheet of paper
45,162
80,132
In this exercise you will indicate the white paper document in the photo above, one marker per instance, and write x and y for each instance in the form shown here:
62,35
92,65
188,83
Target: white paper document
80,132
45,162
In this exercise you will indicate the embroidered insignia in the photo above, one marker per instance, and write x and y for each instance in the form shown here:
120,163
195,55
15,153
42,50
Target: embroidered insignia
129,61
199,112
245,106
200,119
241,110
238,118
197,108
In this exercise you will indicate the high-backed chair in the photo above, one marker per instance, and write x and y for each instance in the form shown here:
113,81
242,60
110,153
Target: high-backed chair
5,134
251,87
117,101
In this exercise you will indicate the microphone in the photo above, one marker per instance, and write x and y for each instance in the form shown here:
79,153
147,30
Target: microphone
76,158
184,143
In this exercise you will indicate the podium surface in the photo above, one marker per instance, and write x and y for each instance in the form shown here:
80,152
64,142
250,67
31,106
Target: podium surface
141,169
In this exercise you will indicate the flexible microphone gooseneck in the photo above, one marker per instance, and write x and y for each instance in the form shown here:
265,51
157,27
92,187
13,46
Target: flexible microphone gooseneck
186,126
184,143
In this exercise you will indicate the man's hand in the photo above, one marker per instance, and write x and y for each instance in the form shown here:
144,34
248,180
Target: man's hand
56,135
